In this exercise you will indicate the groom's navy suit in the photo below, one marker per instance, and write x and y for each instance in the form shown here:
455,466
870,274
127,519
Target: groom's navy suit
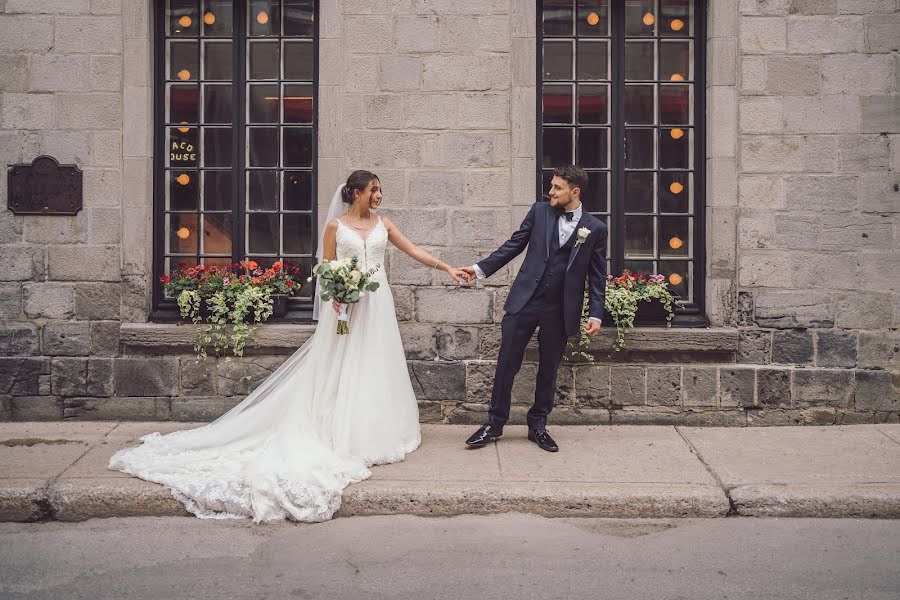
547,295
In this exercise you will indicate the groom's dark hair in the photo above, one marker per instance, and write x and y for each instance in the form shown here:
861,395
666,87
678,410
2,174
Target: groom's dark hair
574,176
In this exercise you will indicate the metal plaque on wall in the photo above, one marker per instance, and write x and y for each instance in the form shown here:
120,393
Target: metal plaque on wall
44,187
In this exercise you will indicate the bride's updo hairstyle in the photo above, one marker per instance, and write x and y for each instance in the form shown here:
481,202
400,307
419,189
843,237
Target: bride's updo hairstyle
358,180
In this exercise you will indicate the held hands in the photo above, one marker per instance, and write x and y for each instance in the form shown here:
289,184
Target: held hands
458,275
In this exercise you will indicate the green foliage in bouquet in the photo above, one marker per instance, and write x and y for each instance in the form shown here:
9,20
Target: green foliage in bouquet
344,281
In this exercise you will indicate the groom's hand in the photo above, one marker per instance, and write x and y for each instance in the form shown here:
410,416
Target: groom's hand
592,328
470,274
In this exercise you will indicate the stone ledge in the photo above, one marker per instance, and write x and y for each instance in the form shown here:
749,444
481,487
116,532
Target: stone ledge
147,337
669,339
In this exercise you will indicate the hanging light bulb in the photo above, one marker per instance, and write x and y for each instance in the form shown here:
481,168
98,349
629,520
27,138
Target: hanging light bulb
183,233
262,18
676,188
677,134
184,129
649,19
209,18
677,24
675,279
185,21
184,74
677,77
183,179
593,18
675,243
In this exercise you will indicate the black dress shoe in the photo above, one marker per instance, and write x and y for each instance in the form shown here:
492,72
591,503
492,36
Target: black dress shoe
485,435
543,439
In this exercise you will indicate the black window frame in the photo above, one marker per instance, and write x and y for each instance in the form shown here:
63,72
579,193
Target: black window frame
686,315
165,309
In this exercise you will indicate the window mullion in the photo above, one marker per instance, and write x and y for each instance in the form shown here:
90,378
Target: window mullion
617,160
238,207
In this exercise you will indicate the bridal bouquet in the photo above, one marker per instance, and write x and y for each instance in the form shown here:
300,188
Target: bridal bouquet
345,281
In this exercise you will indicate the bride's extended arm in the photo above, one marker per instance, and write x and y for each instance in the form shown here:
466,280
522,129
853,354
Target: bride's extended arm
403,244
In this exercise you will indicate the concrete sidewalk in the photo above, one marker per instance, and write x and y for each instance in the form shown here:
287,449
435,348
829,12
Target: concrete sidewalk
57,471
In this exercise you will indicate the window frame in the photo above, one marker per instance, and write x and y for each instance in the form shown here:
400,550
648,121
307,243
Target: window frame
686,315
165,309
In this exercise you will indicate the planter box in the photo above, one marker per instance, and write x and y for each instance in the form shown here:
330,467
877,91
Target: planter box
279,308
650,313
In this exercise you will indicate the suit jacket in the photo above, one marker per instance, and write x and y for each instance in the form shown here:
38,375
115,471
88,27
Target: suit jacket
587,262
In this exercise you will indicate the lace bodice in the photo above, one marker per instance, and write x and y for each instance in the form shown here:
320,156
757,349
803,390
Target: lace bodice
369,250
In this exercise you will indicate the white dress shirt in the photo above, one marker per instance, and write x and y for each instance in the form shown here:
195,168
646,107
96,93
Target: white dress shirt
566,229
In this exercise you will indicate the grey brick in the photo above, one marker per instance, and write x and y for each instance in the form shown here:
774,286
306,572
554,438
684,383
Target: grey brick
438,380
21,376
592,386
736,386
37,408
773,388
664,386
453,305
21,263
628,385
105,338
419,340
198,377
754,346
525,385
68,376
19,338
240,377
146,376
700,386
877,390
201,409
49,300
794,309
10,300
835,349
879,349
823,387
880,114
458,343
792,347
101,377
94,301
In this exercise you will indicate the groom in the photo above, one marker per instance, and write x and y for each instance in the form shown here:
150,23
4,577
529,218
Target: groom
566,246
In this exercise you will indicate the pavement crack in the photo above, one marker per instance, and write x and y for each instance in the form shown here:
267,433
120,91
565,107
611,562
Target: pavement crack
732,507
884,433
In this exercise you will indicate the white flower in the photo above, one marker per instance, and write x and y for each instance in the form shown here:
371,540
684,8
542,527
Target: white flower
308,279
583,234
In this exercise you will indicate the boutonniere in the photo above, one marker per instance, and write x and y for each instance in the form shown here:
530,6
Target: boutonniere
583,234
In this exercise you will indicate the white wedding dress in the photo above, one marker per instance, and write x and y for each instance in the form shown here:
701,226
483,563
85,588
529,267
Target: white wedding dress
338,405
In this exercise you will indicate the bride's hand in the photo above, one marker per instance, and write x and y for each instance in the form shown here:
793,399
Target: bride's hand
336,306
458,275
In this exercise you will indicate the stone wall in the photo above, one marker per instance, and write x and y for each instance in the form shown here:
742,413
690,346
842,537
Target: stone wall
438,98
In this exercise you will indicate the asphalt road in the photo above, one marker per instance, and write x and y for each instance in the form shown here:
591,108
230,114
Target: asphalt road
502,556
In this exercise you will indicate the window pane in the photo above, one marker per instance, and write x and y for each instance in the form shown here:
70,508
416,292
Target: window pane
262,190
639,236
675,104
298,147
262,103
593,17
674,192
216,234
184,190
557,17
217,190
593,59
183,60
639,148
593,104
639,192
557,147
640,266
675,61
183,238
640,18
676,18
263,233
217,19
639,104
264,18
217,104
557,60
596,198
184,103
674,236
298,103
217,60
557,103
262,146
679,275
264,60
182,18
675,148
297,234
298,60
593,148
298,18
217,147
182,146
297,190
639,60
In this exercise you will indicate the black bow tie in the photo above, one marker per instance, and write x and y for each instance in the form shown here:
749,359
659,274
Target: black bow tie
569,215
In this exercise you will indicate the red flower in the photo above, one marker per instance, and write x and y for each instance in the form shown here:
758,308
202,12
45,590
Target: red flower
165,279
288,284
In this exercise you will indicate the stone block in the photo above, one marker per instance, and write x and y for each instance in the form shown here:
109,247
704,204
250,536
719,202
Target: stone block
146,376
523,52
763,35
21,376
881,33
835,349
737,386
37,408
879,350
105,338
819,153
66,338
882,267
480,72
722,53
56,230
26,34
458,343
198,377
476,149
483,111
773,388
592,386
68,376
765,270
825,35
101,377
479,381
404,302
384,111
84,263
823,387
242,376
723,120
138,69
117,409
369,34
14,72
96,301
490,342
417,33
19,338
392,74
761,192
87,111
27,111
805,192
419,341
106,73
487,188
822,114
10,301
431,111
855,231
403,270
761,115
663,386
700,386
106,7
792,346
880,114
49,7
92,35
383,149
674,417
438,380
860,153
878,390
437,188
771,154
49,300
826,271
201,409
753,75
454,305
794,75
813,7
493,33
137,103
754,346
857,74
764,7
59,73
628,386
479,227
862,310
458,34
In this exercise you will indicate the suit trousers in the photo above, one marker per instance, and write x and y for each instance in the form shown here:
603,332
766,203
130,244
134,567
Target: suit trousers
517,329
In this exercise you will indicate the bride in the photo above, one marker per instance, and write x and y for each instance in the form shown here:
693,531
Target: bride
338,405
